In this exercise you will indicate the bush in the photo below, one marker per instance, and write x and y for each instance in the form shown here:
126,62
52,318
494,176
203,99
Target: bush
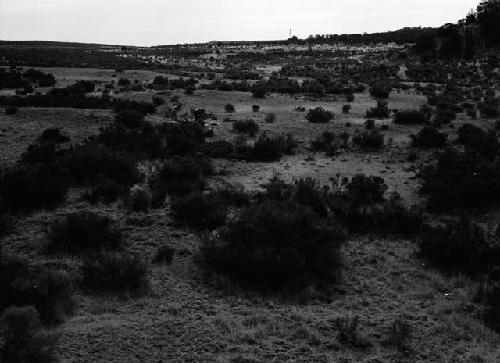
276,245
380,111
50,292
249,127
444,117
410,117
130,118
10,110
115,273
255,108
180,176
218,149
429,137
270,147
346,109
104,190
461,180
183,137
456,246
83,232
325,142
319,115
270,118
25,188
259,90
138,200
229,108
53,136
370,139
380,92
24,339
164,255
158,101
476,139
200,211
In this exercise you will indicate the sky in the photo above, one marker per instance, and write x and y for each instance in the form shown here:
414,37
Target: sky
156,22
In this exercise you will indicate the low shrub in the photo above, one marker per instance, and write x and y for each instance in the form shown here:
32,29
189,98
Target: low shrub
10,110
24,338
83,232
410,117
325,142
138,200
164,255
53,136
130,118
319,115
270,118
380,111
429,137
346,109
249,127
276,245
269,147
115,273
218,149
199,211
369,139
255,108
50,292
259,90
104,190
182,138
477,140
229,108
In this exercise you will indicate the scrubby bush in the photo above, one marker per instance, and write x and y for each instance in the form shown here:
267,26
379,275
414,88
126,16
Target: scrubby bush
380,92
259,90
229,108
319,115
83,232
164,255
249,127
50,292
130,118
25,188
183,137
218,149
476,139
115,273
180,176
346,109
456,246
104,190
461,180
24,339
429,137
325,142
270,118
138,200
255,108
380,111
276,245
410,117
142,107
200,211
369,124
53,136
10,110
158,101
269,147
444,116
369,139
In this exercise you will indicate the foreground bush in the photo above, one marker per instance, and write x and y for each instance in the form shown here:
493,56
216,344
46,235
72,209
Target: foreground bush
457,246
319,115
325,142
130,118
83,232
25,341
475,139
369,139
249,127
410,117
380,111
277,245
429,137
461,180
50,292
270,147
25,188
115,273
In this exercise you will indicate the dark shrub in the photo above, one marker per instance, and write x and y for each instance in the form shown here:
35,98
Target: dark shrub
115,273
380,111
158,101
444,117
476,139
181,176
83,232
380,92
429,137
229,108
269,147
142,107
255,108
200,211
138,200
259,90
325,142
270,118
249,127
24,340
130,118
25,188
349,97
457,246
370,139
53,136
218,149
369,124
105,190
183,137
124,82
87,162
40,153
319,115
366,190
276,245
164,255
410,117
10,110
346,109
461,180
50,292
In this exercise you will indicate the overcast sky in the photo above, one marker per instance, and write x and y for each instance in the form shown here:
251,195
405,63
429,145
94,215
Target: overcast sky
153,22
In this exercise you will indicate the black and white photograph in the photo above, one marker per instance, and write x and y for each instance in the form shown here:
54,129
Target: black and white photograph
249,181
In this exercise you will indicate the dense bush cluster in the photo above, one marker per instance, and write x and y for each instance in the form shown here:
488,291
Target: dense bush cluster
410,117
379,111
369,139
249,127
429,137
319,115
